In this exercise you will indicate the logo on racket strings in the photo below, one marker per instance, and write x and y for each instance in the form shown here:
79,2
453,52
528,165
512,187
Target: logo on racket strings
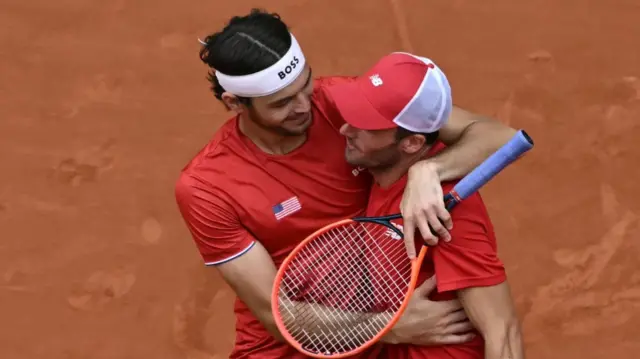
392,234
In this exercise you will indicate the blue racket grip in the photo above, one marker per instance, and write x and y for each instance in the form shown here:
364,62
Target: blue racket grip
511,151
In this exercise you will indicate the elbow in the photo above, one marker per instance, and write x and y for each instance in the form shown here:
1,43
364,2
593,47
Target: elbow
504,341
514,334
493,133
269,323
492,128
275,333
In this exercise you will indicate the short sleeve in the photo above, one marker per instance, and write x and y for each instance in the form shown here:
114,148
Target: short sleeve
212,221
471,258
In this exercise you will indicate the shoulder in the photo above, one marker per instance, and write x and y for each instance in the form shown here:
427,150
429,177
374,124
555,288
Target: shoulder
470,216
471,258
208,172
324,102
386,201
224,154
324,81
196,194
321,84
473,203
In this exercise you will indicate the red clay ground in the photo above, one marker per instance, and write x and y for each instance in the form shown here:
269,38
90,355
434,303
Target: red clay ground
102,103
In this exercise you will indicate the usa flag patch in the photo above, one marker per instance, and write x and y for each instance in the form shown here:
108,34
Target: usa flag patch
290,206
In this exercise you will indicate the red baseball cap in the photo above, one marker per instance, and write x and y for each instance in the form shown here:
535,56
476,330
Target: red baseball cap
400,90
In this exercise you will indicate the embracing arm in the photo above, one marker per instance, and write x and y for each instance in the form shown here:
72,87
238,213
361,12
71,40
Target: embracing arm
470,139
492,312
242,261
251,276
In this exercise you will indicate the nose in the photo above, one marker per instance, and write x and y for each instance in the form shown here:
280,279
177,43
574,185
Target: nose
345,130
303,103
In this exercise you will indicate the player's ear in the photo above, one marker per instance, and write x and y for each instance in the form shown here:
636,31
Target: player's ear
232,102
412,144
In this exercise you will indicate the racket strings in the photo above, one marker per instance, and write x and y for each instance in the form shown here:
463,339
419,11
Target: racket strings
359,328
360,332
333,248
394,253
352,263
354,306
344,287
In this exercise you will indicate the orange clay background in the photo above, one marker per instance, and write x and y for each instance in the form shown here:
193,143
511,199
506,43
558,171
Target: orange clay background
103,102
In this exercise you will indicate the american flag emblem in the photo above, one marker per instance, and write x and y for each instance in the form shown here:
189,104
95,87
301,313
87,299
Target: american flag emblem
281,210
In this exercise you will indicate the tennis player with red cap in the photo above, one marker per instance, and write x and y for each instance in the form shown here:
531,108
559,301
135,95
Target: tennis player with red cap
393,114
275,172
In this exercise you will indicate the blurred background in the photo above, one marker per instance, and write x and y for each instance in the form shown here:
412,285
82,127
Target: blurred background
103,103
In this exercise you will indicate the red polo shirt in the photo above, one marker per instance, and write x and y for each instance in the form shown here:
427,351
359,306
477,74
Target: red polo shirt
232,194
469,260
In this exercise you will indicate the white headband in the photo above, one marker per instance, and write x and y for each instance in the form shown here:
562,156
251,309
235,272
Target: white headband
270,80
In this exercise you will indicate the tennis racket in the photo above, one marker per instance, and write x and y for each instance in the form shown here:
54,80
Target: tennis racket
347,284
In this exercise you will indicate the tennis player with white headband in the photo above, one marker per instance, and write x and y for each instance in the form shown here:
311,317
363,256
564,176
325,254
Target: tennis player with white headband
270,80
275,172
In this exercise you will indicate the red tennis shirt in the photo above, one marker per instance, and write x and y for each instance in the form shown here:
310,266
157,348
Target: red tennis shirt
469,260
232,194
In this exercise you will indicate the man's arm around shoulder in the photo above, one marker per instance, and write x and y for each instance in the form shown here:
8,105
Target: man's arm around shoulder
470,139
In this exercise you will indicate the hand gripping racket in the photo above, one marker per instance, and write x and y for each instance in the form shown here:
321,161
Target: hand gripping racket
346,285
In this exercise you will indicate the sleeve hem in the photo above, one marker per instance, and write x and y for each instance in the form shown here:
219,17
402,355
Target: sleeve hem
472,282
229,258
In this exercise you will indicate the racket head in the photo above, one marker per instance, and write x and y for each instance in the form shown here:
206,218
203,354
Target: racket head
343,265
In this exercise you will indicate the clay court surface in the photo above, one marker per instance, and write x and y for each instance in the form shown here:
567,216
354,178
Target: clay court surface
103,102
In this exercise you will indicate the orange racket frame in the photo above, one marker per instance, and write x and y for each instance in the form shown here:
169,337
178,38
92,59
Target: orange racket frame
415,269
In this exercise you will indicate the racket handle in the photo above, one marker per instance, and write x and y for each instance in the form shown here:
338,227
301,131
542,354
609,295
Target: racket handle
511,151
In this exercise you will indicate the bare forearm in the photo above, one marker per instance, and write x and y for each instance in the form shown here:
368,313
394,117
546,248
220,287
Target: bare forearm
265,316
476,143
270,324
251,277
317,320
492,312
505,343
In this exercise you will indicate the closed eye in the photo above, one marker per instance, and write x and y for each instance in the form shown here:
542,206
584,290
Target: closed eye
283,102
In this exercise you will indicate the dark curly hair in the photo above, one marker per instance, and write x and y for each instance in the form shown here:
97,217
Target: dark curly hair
247,44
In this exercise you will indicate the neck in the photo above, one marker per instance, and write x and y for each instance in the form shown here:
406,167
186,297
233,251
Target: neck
388,175
268,141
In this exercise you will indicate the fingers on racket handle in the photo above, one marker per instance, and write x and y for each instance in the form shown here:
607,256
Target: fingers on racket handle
433,231
511,151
